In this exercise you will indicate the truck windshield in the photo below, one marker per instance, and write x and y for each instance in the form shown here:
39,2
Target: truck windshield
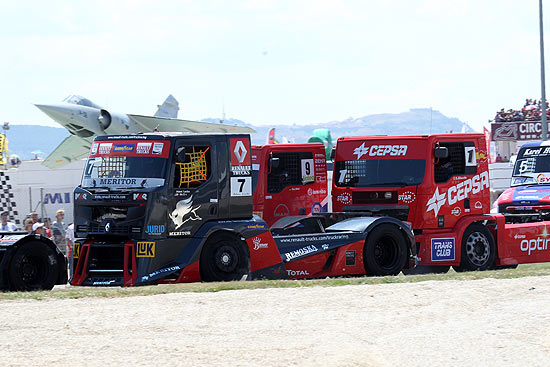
383,172
532,166
124,165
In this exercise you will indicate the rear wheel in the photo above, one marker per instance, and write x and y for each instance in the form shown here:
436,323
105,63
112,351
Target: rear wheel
385,251
478,249
34,266
223,258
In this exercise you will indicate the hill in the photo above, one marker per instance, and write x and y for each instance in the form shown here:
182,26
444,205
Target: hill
27,138
414,121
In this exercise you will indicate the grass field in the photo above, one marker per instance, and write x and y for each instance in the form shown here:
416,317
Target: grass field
67,292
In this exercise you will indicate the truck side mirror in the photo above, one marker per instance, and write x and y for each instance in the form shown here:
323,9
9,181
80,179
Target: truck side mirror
273,163
441,152
332,154
180,154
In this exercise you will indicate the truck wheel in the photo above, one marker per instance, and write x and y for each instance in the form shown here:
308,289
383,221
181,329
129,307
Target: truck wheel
478,249
385,251
427,269
33,267
224,258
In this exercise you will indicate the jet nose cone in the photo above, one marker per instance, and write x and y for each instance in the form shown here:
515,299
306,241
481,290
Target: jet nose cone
61,114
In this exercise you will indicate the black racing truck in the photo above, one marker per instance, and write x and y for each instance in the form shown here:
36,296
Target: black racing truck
170,208
30,262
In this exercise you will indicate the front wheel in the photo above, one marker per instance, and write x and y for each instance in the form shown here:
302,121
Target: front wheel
478,249
385,251
223,258
34,266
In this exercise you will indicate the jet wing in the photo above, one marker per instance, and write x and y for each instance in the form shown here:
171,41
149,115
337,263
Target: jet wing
149,123
71,149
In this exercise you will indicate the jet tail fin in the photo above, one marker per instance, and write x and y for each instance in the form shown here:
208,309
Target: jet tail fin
169,108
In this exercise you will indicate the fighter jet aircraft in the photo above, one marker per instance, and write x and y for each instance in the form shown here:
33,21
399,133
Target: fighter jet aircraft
84,120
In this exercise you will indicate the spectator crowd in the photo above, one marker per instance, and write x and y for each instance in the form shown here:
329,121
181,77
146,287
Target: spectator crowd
531,111
61,234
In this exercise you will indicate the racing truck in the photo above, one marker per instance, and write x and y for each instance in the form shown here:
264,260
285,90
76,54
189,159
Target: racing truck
170,208
30,262
438,185
528,198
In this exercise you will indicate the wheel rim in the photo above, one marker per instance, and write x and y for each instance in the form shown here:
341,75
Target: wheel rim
477,248
385,252
227,258
32,270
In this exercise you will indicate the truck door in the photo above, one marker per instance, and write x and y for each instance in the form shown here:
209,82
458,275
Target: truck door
460,185
193,194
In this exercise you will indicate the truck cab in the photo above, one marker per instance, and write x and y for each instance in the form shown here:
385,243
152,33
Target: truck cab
528,198
429,181
289,179
151,194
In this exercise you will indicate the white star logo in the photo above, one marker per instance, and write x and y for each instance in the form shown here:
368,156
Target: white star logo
436,202
361,151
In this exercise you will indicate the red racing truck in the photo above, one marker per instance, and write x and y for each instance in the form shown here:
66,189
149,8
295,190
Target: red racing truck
289,179
439,186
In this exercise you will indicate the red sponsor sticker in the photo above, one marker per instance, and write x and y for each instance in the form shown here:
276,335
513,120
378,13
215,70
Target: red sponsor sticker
240,151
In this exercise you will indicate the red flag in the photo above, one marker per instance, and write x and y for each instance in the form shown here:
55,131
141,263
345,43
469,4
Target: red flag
271,137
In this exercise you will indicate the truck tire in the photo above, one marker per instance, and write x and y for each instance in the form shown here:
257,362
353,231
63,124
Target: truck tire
427,269
385,251
477,249
34,266
224,258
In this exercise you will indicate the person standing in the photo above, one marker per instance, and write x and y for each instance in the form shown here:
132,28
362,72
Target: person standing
7,226
38,228
47,228
69,235
58,228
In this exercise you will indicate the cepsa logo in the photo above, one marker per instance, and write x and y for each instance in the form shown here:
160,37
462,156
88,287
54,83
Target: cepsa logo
458,192
380,150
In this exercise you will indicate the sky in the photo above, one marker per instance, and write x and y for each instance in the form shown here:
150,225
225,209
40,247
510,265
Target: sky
272,62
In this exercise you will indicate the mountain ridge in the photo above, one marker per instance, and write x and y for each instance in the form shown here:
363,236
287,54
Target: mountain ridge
24,139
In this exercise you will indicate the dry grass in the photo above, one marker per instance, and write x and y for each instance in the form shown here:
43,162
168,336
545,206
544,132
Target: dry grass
68,292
